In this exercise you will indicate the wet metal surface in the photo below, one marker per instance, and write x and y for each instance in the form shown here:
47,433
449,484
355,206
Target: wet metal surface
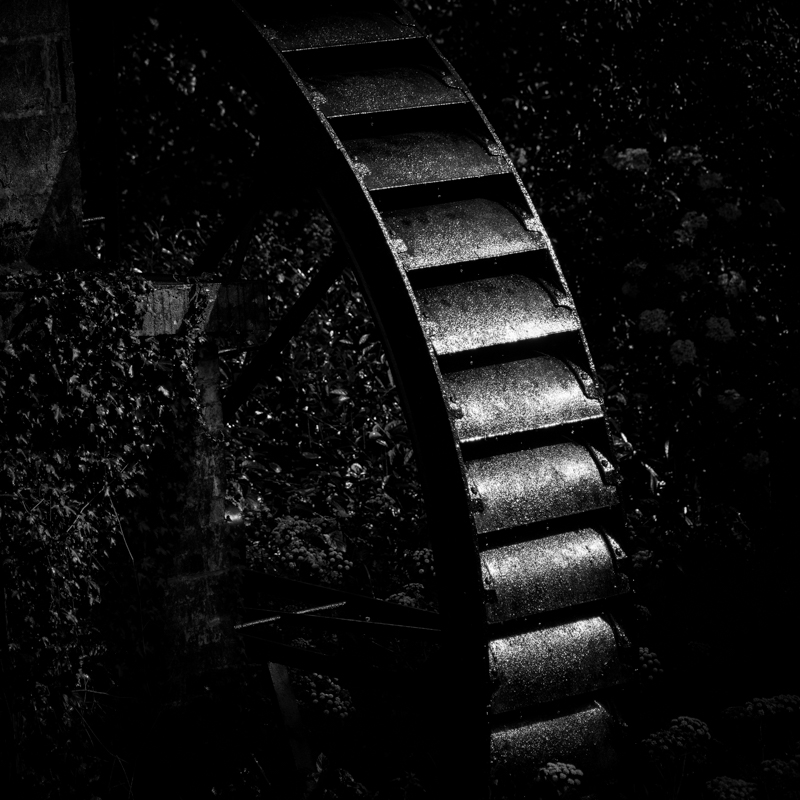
383,90
517,396
551,663
559,664
422,157
555,572
298,32
463,231
491,311
536,485
582,738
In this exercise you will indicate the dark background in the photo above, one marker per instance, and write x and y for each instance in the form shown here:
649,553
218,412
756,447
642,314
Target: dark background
658,141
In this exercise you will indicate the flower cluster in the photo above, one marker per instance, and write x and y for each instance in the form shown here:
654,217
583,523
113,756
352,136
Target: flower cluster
685,155
636,158
719,329
561,778
731,400
653,321
779,705
691,223
411,596
771,206
686,270
650,666
692,728
683,352
781,776
753,462
323,693
421,562
725,788
646,559
302,548
684,742
777,773
730,212
709,180
636,267
732,283
694,221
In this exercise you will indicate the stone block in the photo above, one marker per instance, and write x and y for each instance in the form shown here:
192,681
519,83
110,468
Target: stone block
23,18
33,149
25,85
40,202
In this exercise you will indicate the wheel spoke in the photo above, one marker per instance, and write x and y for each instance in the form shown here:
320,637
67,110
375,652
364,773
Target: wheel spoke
245,237
238,222
262,357
358,626
258,585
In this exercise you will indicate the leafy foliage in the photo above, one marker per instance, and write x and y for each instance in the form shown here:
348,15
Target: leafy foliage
85,402
653,138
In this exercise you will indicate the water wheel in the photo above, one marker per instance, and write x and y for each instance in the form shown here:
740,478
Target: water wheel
493,370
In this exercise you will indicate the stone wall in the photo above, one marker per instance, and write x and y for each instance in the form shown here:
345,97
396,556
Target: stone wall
40,201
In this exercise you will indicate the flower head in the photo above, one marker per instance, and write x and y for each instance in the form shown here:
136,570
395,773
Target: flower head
732,283
632,158
719,329
683,352
653,320
730,212
560,778
725,788
710,180
731,400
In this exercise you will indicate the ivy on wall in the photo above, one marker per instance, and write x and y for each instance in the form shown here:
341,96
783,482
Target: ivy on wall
85,403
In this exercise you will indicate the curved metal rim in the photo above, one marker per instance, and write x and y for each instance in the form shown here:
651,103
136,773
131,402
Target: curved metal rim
448,480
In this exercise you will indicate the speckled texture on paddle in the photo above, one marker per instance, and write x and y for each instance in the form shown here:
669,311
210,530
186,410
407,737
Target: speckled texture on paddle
550,663
518,396
422,157
388,89
554,572
535,485
583,738
447,233
491,311
292,31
